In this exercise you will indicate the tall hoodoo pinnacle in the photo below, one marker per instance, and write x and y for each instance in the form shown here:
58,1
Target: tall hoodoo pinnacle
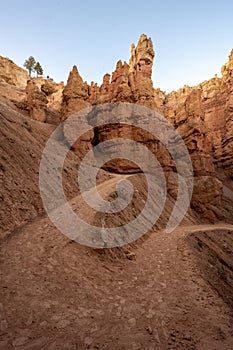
143,55
74,95
128,83
140,71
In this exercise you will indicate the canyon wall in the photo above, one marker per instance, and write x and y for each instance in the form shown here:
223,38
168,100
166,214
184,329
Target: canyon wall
128,83
202,115
210,106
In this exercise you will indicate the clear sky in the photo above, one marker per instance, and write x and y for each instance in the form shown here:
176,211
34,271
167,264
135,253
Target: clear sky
192,38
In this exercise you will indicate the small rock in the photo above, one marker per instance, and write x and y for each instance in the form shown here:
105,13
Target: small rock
56,318
43,324
131,256
20,341
3,325
149,330
88,341
47,304
188,338
63,323
29,321
132,322
3,344
38,343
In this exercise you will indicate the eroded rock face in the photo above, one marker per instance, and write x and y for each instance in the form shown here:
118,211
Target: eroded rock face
53,92
140,72
185,111
207,197
76,98
116,87
36,102
188,118
203,116
12,74
128,83
75,95
227,140
131,82
215,106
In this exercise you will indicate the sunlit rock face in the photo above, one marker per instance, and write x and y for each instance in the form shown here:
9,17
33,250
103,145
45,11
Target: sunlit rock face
12,74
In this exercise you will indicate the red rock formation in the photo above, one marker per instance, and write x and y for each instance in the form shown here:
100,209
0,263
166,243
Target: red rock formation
227,140
140,72
75,95
215,104
36,102
188,118
53,93
12,74
119,89
104,90
75,98
129,83
203,115
207,197
93,92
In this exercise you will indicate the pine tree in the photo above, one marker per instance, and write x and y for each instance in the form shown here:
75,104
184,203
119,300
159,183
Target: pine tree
30,65
38,69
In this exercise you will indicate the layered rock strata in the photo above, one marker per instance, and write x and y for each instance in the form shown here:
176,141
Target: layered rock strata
201,114
12,74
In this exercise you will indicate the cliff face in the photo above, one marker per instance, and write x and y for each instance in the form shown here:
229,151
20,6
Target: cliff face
210,106
218,119
36,102
12,74
203,115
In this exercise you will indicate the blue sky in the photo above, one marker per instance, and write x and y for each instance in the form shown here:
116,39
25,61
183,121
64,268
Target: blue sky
192,39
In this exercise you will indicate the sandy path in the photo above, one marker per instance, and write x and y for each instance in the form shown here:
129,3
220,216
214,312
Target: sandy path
56,294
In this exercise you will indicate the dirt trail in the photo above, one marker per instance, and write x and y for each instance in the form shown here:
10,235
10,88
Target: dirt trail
58,295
